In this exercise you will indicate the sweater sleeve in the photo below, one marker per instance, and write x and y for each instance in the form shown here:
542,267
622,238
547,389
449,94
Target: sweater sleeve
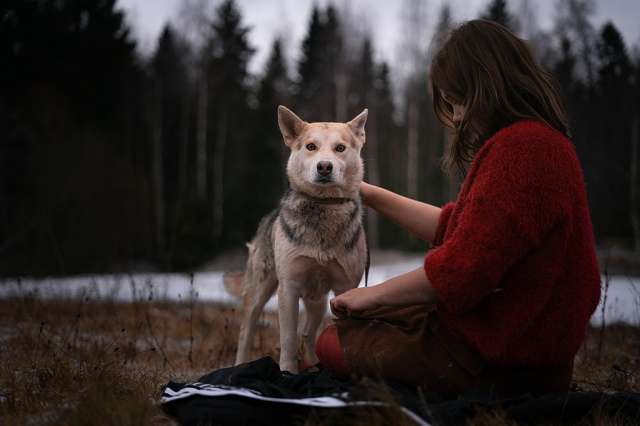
516,198
443,220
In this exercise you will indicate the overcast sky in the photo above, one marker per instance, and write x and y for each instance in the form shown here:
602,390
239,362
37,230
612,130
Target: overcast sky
289,18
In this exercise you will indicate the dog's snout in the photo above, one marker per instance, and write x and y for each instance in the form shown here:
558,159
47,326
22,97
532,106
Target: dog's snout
324,168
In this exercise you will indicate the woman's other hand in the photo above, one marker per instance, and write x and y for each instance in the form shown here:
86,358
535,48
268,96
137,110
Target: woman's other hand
355,301
411,288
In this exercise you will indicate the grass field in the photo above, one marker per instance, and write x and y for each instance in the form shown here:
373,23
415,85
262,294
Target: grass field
84,362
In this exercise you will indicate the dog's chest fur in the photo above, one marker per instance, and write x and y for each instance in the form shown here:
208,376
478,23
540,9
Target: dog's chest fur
327,226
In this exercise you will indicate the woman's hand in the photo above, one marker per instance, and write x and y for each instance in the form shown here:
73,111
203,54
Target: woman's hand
355,301
420,219
411,288
366,192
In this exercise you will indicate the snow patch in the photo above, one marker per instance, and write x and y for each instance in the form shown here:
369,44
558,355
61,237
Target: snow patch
622,301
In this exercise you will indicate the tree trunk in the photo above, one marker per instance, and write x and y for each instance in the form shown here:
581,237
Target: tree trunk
341,95
527,16
201,150
183,193
634,182
412,150
218,174
183,174
580,12
158,172
373,170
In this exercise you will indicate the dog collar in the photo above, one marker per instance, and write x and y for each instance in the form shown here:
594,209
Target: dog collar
329,200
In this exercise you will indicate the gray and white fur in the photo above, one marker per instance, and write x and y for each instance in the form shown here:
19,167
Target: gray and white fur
314,241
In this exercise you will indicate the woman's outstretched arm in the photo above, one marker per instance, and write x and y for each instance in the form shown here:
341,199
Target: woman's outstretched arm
407,289
420,219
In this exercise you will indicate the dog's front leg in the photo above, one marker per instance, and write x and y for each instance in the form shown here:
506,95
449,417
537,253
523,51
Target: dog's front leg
315,310
288,296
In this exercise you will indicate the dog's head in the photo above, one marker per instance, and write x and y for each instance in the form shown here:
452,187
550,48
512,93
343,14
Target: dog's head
325,157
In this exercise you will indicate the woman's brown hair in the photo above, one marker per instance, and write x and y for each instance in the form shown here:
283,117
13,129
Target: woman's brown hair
492,73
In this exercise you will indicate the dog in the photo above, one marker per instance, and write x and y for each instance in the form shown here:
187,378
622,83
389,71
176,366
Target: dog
314,241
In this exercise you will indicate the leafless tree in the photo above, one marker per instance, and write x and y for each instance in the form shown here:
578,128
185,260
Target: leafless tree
528,19
412,64
194,23
158,169
201,138
218,174
634,181
574,22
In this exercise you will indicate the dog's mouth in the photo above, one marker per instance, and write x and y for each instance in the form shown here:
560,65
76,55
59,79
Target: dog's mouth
323,180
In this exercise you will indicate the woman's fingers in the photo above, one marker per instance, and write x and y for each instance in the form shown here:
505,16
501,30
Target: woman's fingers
337,308
336,312
341,307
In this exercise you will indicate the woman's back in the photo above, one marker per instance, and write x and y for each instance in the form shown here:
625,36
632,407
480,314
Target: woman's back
516,269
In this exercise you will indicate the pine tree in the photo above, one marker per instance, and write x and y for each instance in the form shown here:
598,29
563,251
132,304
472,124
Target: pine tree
615,66
69,81
228,88
565,67
573,21
363,75
274,88
580,106
322,79
497,11
309,84
333,102
634,172
268,154
443,26
170,112
390,150
230,53
414,68
363,96
614,127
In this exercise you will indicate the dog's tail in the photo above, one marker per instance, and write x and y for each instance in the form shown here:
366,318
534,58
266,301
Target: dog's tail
234,283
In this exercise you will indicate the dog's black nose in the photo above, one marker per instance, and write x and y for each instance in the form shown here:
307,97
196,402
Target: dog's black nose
324,168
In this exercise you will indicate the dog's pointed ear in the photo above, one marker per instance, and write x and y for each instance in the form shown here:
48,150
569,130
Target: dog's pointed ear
357,124
290,124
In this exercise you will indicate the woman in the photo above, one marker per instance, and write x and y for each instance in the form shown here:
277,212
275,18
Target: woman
504,297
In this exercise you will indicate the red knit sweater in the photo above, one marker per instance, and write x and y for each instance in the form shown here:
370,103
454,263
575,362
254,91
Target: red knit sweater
514,261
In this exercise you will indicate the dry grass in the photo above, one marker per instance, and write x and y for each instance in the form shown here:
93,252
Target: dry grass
80,362
609,361
66,362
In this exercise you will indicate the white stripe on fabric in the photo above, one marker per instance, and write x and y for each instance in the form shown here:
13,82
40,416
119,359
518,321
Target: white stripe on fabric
205,389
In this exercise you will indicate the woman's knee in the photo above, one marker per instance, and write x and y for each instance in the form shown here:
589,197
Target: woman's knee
329,352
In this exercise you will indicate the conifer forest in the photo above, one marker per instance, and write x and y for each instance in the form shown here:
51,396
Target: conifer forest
111,159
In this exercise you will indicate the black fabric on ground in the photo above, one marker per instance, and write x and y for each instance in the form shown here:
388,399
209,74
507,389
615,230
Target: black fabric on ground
264,376
221,411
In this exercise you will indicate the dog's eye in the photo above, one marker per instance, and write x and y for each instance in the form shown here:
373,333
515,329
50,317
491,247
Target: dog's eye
311,146
340,148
